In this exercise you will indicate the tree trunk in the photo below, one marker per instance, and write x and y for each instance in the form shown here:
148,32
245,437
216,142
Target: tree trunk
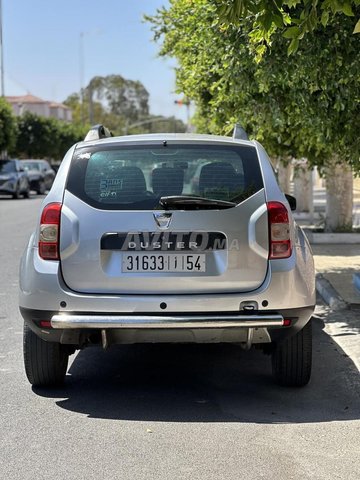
303,188
339,197
284,175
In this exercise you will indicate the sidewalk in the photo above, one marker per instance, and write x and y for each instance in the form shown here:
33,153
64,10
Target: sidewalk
336,266
338,278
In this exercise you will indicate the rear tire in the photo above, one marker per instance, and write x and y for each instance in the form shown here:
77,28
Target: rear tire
16,194
45,362
291,360
26,194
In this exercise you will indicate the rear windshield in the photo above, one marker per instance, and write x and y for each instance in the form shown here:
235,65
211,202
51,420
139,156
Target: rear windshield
137,177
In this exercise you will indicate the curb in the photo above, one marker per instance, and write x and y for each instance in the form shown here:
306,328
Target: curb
332,238
329,294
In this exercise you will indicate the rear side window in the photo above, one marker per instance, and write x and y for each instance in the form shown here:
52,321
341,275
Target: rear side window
31,165
136,177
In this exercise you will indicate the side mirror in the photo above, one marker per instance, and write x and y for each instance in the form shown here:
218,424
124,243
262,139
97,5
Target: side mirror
21,169
292,201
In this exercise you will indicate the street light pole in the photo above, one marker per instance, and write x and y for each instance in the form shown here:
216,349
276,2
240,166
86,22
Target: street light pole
1,52
82,79
81,65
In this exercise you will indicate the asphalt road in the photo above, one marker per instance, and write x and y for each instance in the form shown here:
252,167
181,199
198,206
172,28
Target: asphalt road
169,412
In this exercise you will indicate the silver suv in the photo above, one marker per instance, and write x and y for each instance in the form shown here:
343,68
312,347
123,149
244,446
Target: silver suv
129,249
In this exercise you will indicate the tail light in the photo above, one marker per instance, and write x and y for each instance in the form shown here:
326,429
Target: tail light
279,231
49,232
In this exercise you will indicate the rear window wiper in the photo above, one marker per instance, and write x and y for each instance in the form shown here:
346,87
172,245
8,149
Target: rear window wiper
193,202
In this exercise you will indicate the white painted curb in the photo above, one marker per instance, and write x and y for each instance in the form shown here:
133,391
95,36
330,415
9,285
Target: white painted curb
329,294
332,238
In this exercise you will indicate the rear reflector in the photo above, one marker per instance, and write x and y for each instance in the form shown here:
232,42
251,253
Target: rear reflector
49,232
45,324
287,322
279,231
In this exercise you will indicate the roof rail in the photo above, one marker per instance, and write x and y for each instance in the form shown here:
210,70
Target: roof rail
239,133
96,132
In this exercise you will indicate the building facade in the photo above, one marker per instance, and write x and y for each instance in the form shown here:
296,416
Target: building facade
30,103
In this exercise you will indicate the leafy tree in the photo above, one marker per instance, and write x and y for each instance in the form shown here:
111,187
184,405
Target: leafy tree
8,128
122,97
121,105
40,137
37,136
68,135
163,124
155,124
73,101
306,105
295,18
112,100
90,112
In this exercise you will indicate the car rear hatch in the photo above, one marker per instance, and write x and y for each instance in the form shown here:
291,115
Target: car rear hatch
134,221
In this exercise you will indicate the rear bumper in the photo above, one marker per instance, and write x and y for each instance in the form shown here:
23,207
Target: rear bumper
209,317
7,189
68,321
233,327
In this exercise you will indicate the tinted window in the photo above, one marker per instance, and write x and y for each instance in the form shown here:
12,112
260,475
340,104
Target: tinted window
7,166
137,177
45,166
31,165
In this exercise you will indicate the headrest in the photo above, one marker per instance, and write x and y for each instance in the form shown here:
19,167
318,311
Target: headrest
167,181
132,179
218,180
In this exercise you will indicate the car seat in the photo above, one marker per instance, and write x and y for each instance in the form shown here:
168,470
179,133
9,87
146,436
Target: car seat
167,181
219,180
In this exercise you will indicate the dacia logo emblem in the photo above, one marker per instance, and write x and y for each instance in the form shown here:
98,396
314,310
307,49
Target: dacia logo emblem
162,219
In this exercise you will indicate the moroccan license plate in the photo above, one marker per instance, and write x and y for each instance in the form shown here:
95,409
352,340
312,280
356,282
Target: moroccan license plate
134,262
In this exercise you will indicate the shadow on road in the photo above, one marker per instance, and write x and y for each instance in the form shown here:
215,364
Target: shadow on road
207,383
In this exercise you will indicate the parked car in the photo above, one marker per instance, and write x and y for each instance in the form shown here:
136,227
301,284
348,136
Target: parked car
112,261
14,179
41,175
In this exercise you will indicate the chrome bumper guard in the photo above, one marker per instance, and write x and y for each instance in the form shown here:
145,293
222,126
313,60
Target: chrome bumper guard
69,321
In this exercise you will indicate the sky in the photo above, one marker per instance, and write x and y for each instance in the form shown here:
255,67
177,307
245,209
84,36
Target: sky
42,48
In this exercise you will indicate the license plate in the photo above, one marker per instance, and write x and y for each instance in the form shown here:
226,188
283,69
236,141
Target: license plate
133,262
